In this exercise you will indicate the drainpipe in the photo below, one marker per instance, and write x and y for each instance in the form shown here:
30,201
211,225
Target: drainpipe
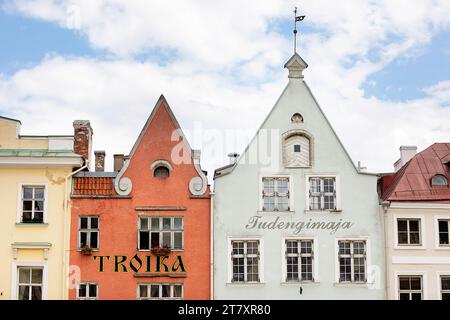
385,205
66,230
211,264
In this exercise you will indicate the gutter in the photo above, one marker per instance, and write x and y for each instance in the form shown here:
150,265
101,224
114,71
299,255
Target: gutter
385,205
66,231
211,263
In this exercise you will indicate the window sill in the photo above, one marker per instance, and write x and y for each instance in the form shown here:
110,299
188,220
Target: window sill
245,284
26,224
298,283
351,284
171,250
93,250
324,211
290,212
408,247
443,247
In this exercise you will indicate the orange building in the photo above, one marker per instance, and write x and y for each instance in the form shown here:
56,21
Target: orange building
143,231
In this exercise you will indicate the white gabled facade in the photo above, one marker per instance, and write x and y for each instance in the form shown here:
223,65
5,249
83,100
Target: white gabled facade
294,212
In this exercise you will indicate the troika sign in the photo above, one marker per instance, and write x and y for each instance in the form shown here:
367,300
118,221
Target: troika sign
136,263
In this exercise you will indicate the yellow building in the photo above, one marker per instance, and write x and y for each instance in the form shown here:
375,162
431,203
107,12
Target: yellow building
35,176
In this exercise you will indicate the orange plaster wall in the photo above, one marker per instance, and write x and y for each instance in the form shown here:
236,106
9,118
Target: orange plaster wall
119,221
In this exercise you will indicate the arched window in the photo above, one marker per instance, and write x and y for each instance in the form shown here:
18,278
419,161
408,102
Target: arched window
296,151
161,172
439,180
297,118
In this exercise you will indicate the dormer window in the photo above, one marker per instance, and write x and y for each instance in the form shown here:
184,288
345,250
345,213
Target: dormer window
161,169
439,180
296,149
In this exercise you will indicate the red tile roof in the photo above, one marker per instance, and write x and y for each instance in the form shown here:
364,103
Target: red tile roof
412,181
93,186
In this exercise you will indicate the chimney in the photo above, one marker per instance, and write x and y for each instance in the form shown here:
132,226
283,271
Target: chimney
118,161
82,143
406,154
99,160
233,157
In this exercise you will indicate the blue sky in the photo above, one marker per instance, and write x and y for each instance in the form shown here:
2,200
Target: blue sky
123,56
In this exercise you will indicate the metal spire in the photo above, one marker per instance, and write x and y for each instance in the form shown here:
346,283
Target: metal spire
296,19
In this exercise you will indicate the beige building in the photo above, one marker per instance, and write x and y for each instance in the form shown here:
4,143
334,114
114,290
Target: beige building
415,203
35,175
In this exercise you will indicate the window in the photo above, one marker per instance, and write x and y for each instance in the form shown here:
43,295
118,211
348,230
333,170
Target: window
296,151
89,232
160,291
439,180
352,261
245,260
87,291
299,260
445,287
297,118
322,193
410,287
408,231
158,232
275,194
161,172
443,226
30,283
33,200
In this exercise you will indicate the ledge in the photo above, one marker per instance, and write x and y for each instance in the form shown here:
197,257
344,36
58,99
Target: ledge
162,208
244,284
87,196
297,284
290,212
199,197
324,211
351,285
160,275
24,224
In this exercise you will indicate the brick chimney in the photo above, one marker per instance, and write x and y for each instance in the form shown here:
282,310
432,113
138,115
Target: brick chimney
118,161
406,154
82,143
99,160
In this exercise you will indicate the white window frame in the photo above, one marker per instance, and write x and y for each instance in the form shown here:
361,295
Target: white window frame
160,231
15,277
260,263
89,230
440,274
422,245
436,218
160,284
21,185
337,262
408,231
411,273
87,283
315,260
290,198
337,186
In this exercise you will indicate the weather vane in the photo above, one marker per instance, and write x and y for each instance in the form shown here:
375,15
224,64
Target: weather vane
297,19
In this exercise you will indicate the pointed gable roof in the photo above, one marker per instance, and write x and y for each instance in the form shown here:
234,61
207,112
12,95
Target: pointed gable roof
412,182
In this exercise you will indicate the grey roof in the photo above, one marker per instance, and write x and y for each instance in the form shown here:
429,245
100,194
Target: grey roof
96,174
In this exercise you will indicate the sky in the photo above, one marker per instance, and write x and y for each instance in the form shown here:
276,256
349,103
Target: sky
380,70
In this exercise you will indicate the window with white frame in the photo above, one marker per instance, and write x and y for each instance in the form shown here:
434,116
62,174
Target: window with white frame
30,284
443,226
245,261
322,193
88,231
160,232
445,287
410,287
408,232
352,261
33,201
299,260
275,194
160,291
87,291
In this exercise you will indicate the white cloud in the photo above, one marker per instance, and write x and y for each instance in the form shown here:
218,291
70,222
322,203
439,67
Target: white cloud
227,69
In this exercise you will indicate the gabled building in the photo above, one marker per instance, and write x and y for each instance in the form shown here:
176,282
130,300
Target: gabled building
143,230
35,175
415,202
293,217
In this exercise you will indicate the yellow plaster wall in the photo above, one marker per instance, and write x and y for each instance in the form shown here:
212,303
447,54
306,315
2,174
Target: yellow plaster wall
9,140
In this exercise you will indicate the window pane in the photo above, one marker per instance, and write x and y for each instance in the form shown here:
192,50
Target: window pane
36,276
443,225
402,225
177,291
94,223
92,291
154,291
252,247
94,240
166,291
143,240
306,246
82,291
268,185
414,238
344,247
238,269
39,205
283,185
178,223
291,246
27,193
28,205
26,216
39,217
24,275
167,239
345,269
446,296
283,203
404,296
39,193
238,247
416,296
83,239
269,203
403,237
24,293
296,148
328,202
166,223
416,283
178,240
405,283
314,185
252,269
414,225
328,185
143,223
155,223
445,283
155,239
143,292
83,223
36,293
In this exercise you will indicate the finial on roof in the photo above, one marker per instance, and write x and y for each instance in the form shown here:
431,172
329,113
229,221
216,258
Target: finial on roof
296,19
